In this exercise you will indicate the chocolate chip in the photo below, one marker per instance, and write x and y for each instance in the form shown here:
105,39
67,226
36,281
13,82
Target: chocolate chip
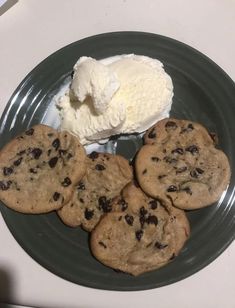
170,160
102,244
144,171
178,151
29,132
99,167
123,204
139,234
180,170
88,214
56,143
81,186
199,170
193,173
152,219
53,161
172,257
32,170
154,204
152,134
107,157
196,172
21,153
66,182
161,176
105,204
119,218
193,149
36,153
5,185
187,190
154,158
93,155
49,152
129,219
187,129
56,196
81,200
160,246
142,220
7,171
172,188
170,125
143,211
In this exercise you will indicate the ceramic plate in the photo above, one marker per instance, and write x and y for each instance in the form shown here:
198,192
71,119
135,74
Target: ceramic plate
202,92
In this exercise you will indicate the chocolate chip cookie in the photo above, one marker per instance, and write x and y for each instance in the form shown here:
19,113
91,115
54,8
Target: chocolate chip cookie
191,174
142,235
106,175
178,130
39,169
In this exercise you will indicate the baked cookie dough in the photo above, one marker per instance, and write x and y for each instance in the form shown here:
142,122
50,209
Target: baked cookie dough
106,176
174,130
191,174
143,234
39,169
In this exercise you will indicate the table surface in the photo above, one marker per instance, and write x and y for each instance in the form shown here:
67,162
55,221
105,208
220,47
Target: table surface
29,32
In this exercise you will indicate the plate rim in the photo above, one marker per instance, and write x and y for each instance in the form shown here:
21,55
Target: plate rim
25,79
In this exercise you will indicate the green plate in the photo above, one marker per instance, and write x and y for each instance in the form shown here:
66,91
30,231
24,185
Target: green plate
202,92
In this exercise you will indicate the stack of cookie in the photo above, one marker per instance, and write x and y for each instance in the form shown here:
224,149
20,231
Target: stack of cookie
136,226
44,170
141,234
177,169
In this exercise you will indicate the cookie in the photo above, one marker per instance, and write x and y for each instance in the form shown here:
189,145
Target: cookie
192,175
144,234
39,169
178,130
106,175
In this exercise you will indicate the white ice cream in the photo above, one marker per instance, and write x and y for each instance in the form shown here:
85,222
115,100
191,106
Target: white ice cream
126,94
95,80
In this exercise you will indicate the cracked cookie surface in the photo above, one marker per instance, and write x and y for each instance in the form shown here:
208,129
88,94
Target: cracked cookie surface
106,175
191,174
39,169
142,234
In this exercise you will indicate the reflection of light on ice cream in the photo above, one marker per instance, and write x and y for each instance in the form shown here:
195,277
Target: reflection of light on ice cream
123,94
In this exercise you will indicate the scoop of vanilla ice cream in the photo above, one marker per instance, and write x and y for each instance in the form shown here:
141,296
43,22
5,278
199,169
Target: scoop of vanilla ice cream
81,119
123,94
146,89
93,79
